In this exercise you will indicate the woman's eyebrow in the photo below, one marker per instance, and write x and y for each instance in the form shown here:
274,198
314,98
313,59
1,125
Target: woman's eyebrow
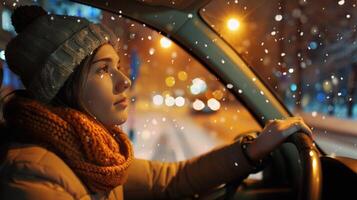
104,59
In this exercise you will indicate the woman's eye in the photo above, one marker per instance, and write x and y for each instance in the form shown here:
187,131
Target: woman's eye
103,69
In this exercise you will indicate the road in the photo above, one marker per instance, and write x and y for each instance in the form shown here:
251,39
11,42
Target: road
178,134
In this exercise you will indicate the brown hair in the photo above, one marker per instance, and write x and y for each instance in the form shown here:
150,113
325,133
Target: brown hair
69,94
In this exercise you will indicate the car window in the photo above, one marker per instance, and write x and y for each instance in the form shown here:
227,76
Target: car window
178,108
294,49
306,51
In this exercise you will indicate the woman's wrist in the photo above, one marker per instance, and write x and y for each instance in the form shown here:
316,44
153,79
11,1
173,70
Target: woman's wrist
248,144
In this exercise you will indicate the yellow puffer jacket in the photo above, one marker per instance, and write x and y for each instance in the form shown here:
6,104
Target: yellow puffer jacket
32,172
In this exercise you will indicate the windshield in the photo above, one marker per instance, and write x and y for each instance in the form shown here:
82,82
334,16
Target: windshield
306,51
178,108
307,59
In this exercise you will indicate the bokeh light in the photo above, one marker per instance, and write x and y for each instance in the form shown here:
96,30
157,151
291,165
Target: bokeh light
213,104
170,81
182,76
165,42
198,105
233,24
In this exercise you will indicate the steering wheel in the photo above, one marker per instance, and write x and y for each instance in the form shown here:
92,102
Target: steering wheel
311,180
310,183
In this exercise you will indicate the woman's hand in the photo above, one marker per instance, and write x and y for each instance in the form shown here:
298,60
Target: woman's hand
274,133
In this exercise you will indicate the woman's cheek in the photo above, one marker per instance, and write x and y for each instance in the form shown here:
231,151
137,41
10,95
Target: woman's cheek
104,89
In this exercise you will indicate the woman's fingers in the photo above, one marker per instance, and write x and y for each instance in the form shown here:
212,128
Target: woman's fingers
305,128
289,126
301,125
275,133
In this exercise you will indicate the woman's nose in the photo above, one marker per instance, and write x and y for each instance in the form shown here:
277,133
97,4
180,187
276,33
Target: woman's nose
122,82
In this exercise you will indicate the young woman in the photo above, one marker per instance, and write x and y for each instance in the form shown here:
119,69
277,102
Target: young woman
63,138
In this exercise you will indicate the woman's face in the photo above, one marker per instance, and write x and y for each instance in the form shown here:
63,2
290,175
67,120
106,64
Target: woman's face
104,94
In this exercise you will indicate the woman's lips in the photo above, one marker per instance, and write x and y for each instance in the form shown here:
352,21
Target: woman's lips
122,103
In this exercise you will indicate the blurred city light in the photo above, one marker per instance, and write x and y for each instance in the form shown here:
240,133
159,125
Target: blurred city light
158,100
165,42
313,45
327,86
198,86
169,101
293,87
334,80
170,81
182,76
213,104
218,94
233,24
198,104
180,101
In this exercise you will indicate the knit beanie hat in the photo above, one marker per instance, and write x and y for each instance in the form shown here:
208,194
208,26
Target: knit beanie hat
49,47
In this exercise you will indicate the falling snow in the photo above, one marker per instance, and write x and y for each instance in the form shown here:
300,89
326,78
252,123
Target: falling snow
278,18
274,52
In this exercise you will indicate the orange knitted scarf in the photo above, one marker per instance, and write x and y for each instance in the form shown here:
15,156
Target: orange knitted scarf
100,157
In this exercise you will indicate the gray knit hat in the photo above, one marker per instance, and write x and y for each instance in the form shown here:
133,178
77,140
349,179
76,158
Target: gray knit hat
49,47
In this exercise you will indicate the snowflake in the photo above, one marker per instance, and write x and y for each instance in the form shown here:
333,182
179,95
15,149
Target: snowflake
278,18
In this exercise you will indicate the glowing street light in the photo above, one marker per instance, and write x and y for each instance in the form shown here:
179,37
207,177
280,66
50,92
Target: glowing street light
198,105
179,101
169,101
158,100
182,75
233,24
213,104
198,86
170,81
165,42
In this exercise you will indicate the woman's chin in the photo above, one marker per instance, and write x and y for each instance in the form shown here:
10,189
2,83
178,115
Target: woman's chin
121,119
115,123
114,118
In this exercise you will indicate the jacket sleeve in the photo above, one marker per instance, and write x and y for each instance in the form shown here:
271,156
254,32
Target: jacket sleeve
159,180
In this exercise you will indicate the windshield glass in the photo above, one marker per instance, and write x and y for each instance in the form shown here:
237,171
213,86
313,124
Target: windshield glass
306,51
178,108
